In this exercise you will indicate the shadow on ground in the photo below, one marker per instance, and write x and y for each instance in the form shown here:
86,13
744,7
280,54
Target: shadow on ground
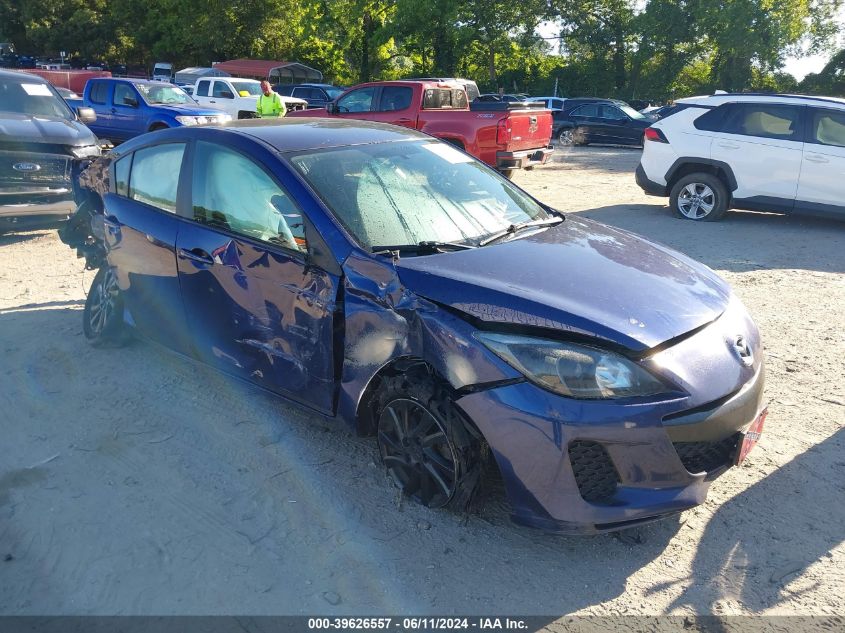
7,239
742,241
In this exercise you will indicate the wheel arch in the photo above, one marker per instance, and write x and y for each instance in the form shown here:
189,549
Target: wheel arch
686,166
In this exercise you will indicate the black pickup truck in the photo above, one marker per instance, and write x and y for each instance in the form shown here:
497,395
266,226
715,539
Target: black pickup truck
43,146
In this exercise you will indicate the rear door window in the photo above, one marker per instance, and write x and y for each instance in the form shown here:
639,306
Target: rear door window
589,110
202,88
155,173
762,120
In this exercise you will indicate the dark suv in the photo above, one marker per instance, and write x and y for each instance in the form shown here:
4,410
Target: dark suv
591,120
317,95
42,147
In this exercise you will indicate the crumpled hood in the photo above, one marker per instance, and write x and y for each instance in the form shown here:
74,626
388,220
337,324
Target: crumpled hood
26,128
579,276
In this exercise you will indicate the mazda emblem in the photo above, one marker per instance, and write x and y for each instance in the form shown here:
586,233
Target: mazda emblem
26,167
743,350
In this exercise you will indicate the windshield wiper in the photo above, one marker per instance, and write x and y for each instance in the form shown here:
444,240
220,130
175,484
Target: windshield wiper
422,248
515,228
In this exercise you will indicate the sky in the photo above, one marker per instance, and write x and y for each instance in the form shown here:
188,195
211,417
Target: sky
799,67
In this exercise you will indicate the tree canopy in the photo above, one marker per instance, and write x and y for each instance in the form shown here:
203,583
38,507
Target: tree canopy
634,49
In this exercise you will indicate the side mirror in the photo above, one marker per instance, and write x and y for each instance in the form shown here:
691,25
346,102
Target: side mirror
332,108
86,115
130,101
227,94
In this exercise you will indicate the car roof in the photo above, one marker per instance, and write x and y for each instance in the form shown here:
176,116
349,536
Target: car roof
757,97
294,134
132,80
14,74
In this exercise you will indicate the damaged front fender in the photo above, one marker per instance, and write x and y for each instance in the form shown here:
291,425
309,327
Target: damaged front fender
386,324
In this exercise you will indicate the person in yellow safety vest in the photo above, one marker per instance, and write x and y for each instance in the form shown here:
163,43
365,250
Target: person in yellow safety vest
269,104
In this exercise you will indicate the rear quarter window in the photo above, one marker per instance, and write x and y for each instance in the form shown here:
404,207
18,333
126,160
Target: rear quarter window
827,127
99,92
121,176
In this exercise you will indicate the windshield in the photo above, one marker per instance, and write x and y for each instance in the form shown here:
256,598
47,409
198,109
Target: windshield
632,113
411,192
164,93
33,98
251,89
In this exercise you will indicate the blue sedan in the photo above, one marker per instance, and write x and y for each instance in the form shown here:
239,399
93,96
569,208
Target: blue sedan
389,280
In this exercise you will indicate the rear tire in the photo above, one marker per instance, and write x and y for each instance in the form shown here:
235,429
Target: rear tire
433,454
701,197
565,137
102,319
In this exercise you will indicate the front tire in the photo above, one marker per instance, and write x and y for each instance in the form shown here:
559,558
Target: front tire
701,197
430,450
102,322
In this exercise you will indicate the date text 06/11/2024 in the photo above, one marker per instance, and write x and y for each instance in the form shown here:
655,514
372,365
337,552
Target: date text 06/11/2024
418,624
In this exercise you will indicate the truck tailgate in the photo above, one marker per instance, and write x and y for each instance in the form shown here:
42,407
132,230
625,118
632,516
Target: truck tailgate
529,129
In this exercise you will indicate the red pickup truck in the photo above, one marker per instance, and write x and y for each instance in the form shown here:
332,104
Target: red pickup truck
507,136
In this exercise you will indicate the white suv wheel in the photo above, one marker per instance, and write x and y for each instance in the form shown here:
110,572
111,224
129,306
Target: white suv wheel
696,200
699,196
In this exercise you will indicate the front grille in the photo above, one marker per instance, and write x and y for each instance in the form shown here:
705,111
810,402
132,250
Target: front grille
53,169
595,473
706,457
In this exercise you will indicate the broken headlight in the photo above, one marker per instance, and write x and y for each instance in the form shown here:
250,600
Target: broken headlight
572,370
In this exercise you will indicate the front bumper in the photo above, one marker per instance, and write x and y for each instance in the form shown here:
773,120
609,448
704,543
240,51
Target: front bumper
35,210
42,195
506,161
649,186
583,467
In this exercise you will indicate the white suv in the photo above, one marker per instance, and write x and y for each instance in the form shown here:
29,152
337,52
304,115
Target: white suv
780,153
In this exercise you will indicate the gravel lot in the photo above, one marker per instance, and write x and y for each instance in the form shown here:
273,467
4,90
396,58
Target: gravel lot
136,482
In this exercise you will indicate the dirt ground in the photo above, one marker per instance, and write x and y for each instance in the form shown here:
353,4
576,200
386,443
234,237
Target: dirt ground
136,482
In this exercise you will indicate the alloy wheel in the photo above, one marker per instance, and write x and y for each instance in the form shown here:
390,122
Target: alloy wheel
417,451
696,201
103,302
565,137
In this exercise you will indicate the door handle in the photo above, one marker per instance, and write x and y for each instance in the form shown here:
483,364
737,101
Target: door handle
211,101
725,145
816,158
196,255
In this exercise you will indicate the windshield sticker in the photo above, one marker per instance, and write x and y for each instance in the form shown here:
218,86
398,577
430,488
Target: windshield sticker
37,90
448,152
